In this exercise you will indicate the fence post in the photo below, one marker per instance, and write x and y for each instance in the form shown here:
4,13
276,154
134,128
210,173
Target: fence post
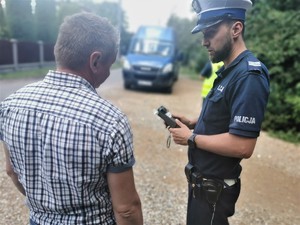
41,50
15,53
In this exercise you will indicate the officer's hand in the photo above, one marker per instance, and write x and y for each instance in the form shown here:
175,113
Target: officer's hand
180,135
184,120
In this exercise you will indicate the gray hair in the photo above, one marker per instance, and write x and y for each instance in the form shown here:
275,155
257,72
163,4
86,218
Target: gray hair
82,34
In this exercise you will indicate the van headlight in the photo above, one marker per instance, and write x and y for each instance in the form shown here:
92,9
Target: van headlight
168,68
126,64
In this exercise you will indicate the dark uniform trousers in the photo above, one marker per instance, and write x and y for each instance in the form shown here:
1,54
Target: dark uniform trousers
200,212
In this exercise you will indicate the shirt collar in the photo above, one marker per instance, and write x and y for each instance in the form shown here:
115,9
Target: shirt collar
224,71
67,80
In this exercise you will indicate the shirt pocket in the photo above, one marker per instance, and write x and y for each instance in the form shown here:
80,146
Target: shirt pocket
215,98
216,109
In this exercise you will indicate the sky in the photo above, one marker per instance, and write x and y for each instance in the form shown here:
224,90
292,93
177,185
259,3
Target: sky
155,12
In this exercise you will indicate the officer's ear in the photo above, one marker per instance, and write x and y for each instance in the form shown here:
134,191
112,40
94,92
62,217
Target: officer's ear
237,29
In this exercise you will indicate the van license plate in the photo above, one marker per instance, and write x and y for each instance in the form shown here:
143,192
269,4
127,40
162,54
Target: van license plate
144,83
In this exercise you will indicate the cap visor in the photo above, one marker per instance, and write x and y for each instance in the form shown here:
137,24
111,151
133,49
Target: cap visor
201,26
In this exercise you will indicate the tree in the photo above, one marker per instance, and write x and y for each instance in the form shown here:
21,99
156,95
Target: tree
195,56
20,19
66,8
116,15
46,22
273,35
3,26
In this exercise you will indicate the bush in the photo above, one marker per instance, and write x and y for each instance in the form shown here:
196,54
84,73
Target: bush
274,37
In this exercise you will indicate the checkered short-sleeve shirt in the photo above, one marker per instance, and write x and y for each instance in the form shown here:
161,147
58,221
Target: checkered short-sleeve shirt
63,138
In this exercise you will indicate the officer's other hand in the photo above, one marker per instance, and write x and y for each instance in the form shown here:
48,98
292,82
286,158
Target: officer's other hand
184,120
181,118
180,135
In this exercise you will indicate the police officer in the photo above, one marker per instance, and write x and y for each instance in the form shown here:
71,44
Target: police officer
231,117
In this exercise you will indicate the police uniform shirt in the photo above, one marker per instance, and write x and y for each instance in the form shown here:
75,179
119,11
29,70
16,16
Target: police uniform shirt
235,104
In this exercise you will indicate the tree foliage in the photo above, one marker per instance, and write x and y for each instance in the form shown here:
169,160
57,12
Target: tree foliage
195,56
45,11
273,35
3,26
114,12
65,8
20,19
49,14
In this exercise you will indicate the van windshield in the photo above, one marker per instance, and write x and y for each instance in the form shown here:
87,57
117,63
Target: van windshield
151,47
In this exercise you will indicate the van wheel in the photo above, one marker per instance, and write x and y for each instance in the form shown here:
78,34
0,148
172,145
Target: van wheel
127,85
169,90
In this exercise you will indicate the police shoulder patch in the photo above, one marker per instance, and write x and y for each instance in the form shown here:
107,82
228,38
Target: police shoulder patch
255,66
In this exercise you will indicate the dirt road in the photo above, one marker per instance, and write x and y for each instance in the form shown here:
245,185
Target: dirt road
270,179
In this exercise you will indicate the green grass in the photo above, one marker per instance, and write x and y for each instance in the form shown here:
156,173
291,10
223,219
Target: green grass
186,71
38,72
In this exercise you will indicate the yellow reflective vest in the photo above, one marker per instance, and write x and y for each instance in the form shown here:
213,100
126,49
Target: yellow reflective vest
208,82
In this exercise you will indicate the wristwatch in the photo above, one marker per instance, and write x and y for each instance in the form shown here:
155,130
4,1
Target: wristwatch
191,141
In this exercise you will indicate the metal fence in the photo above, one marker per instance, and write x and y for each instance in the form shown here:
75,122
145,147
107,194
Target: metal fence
18,55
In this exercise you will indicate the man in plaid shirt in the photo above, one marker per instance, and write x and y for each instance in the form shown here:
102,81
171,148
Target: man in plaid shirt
69,151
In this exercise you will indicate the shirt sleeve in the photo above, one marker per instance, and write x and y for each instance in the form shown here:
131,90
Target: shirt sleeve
249,104
121,154
207,70
1,122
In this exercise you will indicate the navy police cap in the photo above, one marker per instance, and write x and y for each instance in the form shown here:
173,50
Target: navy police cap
212,12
